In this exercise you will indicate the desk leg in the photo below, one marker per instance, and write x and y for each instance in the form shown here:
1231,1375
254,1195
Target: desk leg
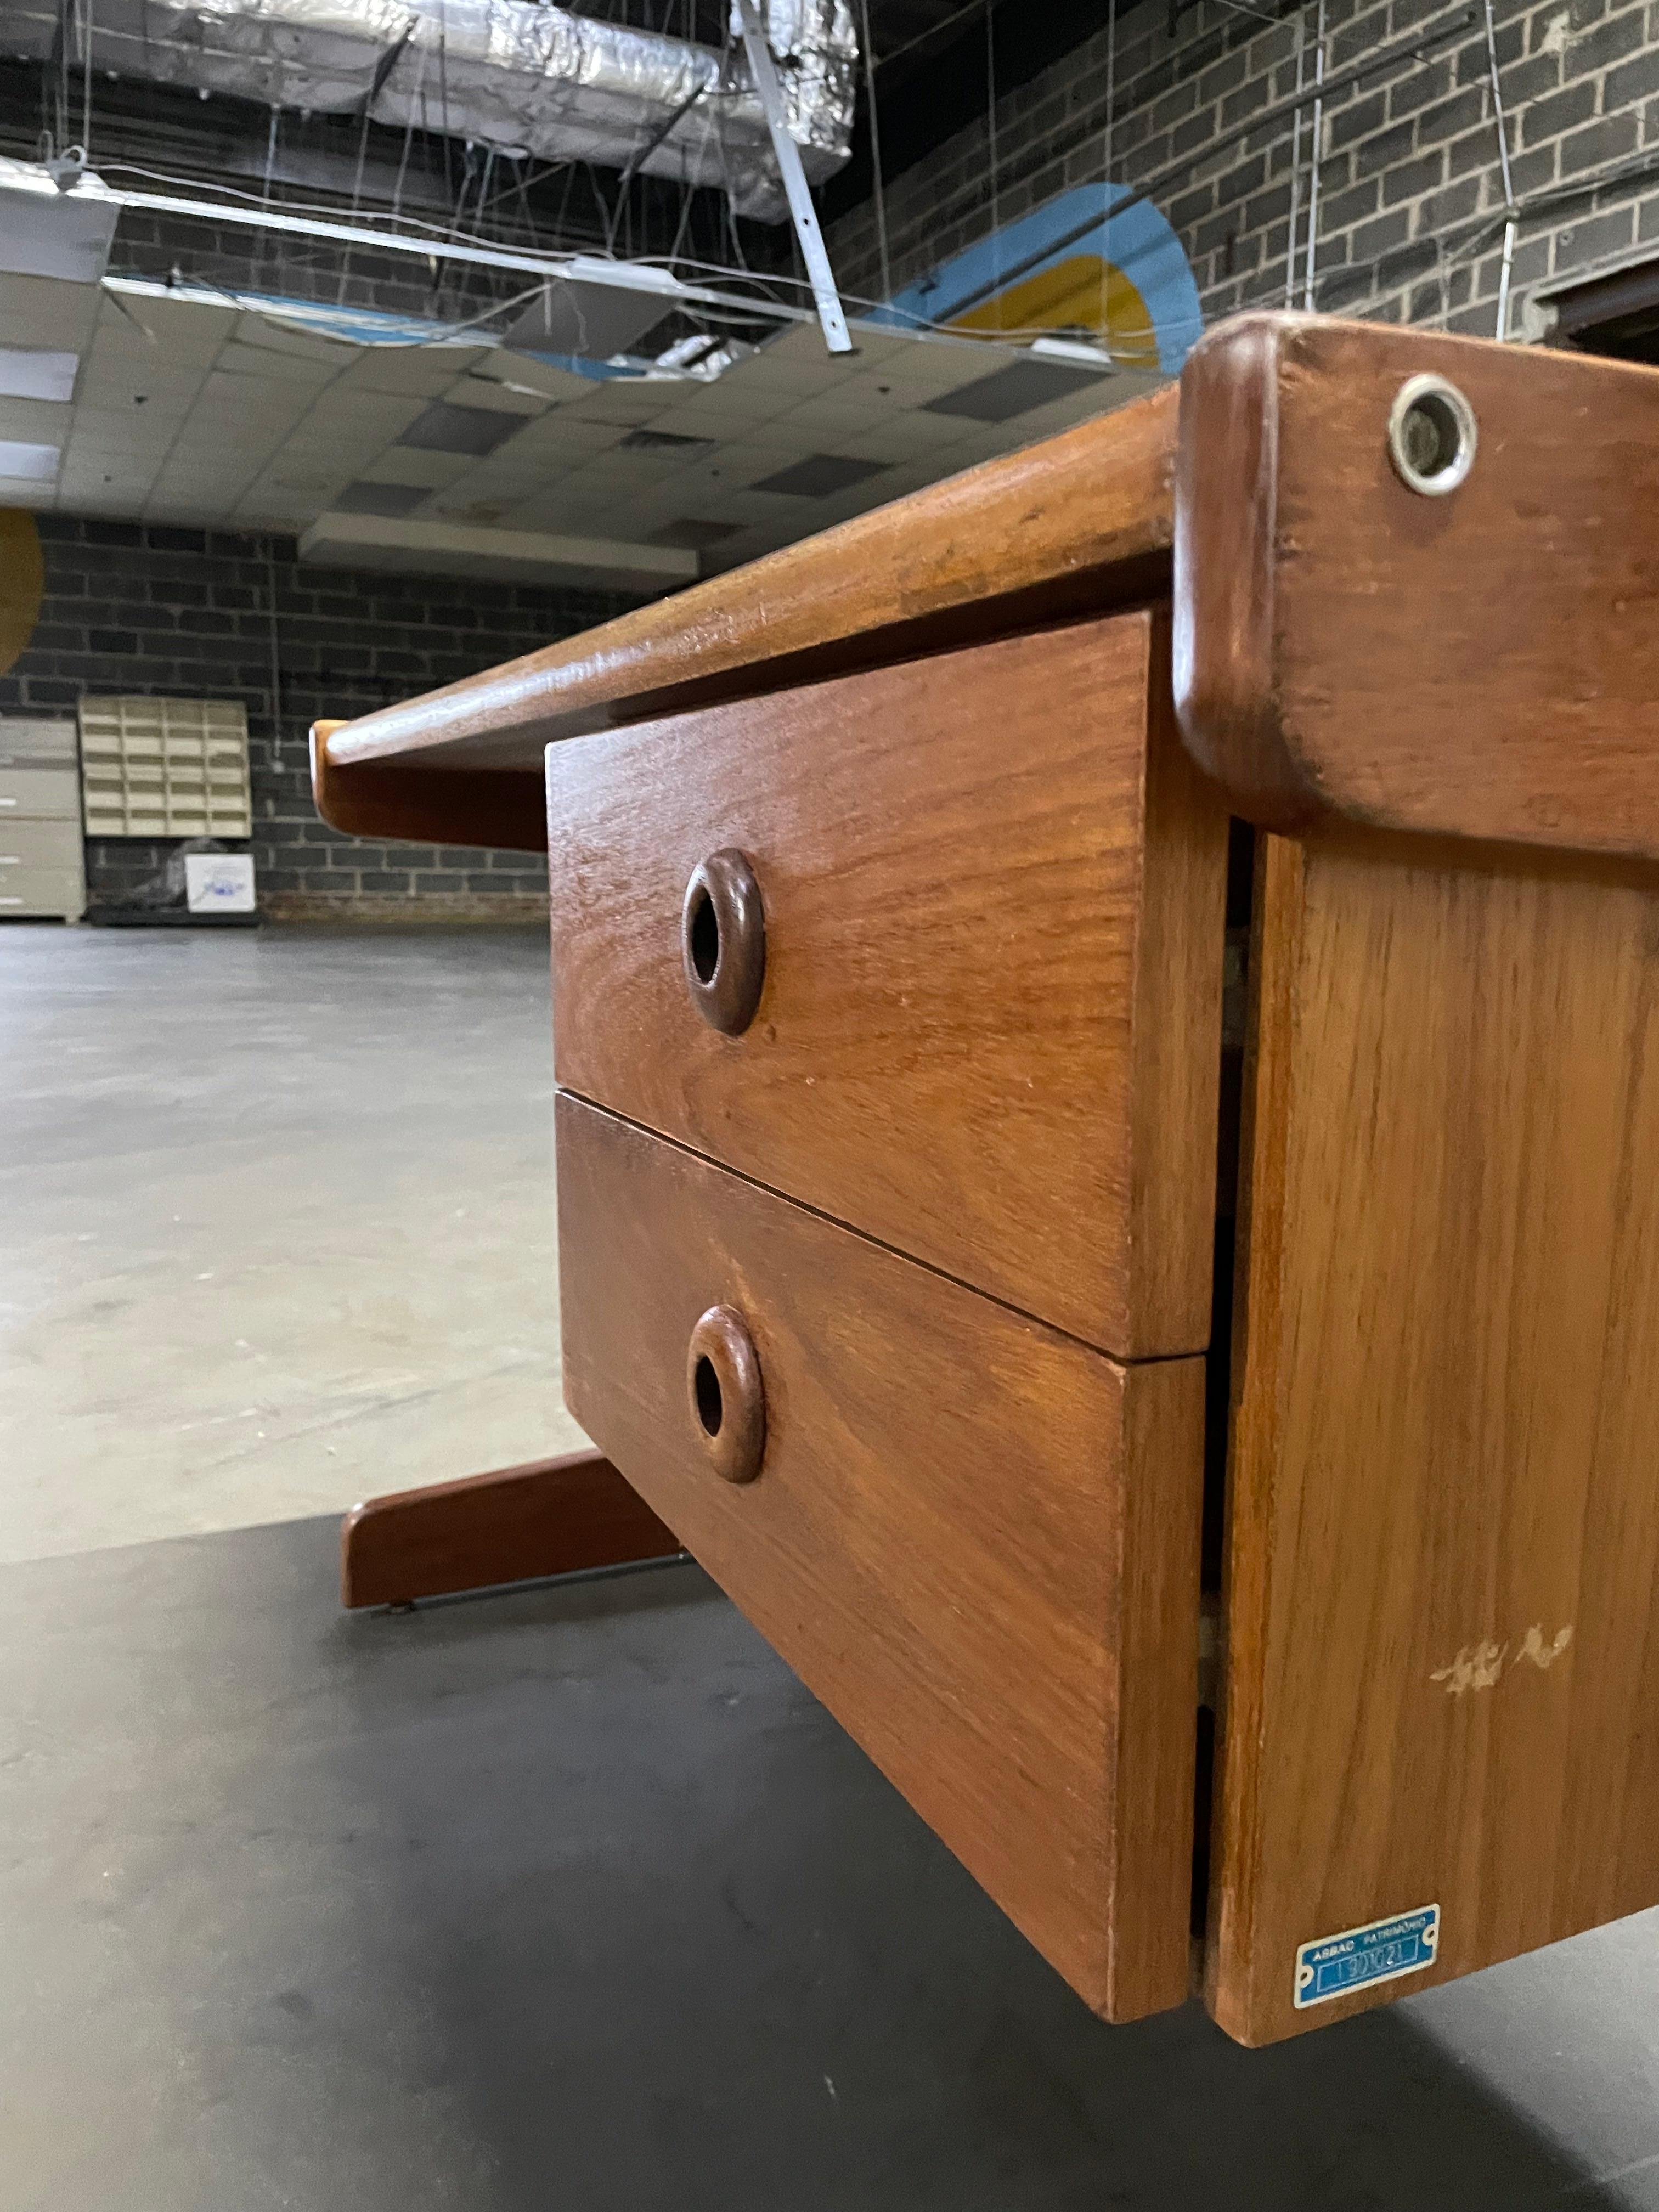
552,1517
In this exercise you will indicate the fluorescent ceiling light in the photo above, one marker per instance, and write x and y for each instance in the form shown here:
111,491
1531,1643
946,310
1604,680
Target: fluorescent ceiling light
594,321
26,374
47,232
28,464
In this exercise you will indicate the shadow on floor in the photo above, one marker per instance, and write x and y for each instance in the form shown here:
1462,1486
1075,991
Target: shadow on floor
576,1899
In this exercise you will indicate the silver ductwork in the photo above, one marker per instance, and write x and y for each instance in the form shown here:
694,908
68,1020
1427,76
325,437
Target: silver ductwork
507,74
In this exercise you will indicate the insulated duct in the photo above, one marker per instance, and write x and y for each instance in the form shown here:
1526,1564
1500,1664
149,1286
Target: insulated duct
512,75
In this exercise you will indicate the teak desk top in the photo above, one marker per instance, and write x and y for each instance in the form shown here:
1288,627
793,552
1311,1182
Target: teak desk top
1331,626
1012,1275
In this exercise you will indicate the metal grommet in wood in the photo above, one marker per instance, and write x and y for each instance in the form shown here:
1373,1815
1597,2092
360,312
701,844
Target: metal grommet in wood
726,1394
723,941
1432,435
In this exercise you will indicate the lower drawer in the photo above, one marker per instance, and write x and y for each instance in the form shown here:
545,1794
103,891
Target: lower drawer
974,1539
30,844
41,890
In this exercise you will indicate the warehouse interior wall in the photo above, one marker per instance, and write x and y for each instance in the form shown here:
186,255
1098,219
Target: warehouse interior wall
133,608
1411,203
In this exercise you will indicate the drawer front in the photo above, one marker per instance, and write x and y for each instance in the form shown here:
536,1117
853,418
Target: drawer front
987,1030
38,741
41,890
29,843
42,794
976,1539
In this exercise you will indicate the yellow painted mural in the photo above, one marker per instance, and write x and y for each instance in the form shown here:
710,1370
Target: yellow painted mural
1082,294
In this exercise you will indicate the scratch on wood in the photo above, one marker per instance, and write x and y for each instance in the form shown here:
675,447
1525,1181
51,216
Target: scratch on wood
1481,1666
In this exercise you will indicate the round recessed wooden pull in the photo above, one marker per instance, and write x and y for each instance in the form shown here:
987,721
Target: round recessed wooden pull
727,1397
723,941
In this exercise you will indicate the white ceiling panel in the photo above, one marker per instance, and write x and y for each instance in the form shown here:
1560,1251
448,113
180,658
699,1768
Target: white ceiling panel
193,408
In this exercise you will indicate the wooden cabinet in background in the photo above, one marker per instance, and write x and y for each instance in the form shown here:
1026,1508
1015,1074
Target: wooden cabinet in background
1029,1353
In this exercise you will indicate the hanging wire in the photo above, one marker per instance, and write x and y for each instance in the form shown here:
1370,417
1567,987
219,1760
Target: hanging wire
991,132
875,150
418,95
1111,183
1296,165
356,202
64,23
1315,154
86,83
1502,128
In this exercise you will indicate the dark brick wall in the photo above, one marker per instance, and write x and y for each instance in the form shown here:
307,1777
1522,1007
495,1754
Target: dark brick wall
1411,196
194,614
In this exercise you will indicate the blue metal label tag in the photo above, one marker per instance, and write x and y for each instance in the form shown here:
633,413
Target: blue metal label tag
1335,1964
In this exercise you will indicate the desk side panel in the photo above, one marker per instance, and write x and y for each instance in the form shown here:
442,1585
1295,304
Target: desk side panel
1443,1550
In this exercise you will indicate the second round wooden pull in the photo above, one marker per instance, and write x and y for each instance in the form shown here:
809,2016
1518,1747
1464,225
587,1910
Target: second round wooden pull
723,941
726,1394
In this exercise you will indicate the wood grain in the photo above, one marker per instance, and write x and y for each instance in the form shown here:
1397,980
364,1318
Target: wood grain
500,807
550,1516
1443,1569
1483,665
989,1027
1081,521
976,1541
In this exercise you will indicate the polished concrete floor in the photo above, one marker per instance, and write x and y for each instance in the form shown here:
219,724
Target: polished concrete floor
570,1900
573,1900
278,1224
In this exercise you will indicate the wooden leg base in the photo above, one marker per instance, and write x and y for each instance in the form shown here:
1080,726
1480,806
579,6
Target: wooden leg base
553,1516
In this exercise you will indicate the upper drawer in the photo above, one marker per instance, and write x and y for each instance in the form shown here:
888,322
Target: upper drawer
51,794
976,1539
991,890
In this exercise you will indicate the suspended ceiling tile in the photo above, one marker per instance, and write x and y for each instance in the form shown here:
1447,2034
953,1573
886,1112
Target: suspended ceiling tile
560,431
274,397
874,346
133,323
626,400
400,372
40,311
408,466
729,405
469,390
893,443
944,365
542,378
276,334
240,359
357,414
35,421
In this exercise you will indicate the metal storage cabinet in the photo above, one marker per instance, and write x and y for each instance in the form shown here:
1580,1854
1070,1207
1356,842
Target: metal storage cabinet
42,870
166,767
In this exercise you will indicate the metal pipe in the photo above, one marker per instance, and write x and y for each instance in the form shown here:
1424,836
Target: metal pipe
513,75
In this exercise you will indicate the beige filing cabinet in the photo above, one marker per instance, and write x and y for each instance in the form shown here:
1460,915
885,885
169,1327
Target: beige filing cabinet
42,869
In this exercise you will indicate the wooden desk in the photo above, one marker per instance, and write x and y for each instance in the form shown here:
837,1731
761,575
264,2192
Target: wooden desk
1107,1016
